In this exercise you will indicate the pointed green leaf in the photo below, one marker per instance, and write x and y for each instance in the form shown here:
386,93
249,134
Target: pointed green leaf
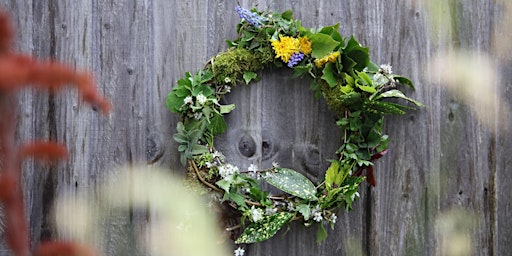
264,229
403,80
331,173
367,89
321,233
224,109
398,94
292,183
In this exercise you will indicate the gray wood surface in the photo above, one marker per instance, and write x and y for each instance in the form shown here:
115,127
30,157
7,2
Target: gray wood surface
442,158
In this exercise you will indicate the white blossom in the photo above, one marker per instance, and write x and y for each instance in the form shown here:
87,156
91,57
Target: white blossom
386,68
354,196
227,89
201,99
256,214
317,214
187,100
239,251
275,164
198,115
217,154
270,211
253,168
334,218
208,164
227,80
227,170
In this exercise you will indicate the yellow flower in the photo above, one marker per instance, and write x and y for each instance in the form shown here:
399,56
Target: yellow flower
331,57
305,45
285,47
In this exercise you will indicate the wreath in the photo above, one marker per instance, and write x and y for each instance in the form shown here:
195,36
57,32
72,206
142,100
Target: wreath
356,89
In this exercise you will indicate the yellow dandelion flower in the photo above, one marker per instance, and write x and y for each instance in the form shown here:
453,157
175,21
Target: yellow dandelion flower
331,57
305,45
285,47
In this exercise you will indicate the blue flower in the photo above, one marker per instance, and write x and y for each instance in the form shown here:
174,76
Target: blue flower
295,59
251,17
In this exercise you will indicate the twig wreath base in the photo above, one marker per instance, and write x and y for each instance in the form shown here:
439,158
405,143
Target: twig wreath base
354,88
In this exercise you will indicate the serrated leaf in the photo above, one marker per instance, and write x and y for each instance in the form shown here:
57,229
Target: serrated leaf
217,125
292,183
264,229
224,184
398,94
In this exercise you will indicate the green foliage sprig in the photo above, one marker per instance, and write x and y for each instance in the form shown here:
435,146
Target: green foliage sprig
355,89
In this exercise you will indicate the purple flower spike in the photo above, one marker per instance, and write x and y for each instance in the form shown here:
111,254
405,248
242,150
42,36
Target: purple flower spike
295,59
251,17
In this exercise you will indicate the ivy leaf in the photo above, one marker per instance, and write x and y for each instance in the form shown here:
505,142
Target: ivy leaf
264,229
249,76
292,183
322,45
398,94
328,74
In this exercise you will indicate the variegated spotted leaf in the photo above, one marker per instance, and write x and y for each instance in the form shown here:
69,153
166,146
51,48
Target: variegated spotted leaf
292,183
264,229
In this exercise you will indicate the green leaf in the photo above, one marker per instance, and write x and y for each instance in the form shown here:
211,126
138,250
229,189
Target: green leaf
292,183
264,229
173,102
403,80
357,53
331,173
332,31
287,15
217,125
224,109
224,184
304,210
238,199
398,94
322,45
249,76
328,74
367,89
321,233
199,149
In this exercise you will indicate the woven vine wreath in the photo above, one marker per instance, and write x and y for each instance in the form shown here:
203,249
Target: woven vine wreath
353,87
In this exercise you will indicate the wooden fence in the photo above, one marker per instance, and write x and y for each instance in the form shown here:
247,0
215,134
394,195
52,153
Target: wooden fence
443,184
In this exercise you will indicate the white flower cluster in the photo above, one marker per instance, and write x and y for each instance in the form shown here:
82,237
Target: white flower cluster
317,214
227,170
256,214
386,69
239,251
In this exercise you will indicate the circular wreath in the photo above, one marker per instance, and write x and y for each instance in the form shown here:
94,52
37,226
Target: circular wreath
341,71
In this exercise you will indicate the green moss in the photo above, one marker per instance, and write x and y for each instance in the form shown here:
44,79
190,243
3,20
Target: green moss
232,63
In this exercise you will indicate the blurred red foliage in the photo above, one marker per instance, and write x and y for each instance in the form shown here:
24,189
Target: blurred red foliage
18,71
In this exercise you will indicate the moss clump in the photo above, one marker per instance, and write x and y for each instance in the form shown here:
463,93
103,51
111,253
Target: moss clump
231,65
